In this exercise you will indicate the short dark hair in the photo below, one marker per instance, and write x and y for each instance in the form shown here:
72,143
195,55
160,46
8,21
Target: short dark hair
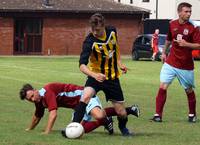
97,19
183,4
23,91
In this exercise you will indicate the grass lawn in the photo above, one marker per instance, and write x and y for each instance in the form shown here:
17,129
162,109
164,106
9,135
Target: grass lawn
140,86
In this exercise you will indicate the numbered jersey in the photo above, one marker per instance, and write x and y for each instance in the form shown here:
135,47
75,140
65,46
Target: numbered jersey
181,57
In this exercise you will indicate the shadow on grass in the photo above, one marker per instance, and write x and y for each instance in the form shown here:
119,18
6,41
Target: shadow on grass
146,59
151,134
147,134
118,134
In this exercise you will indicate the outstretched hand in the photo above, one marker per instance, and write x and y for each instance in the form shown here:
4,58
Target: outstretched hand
123,68
181,42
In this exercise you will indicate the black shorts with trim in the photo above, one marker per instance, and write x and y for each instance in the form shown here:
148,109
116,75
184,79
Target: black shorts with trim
111,88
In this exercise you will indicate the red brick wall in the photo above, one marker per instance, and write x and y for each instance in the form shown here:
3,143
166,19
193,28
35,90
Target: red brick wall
65,36
6,36
127,31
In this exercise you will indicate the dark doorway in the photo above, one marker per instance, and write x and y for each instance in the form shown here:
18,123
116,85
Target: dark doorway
28,36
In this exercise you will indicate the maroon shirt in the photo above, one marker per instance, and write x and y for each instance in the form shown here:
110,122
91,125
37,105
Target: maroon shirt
181,57
155,42
56,95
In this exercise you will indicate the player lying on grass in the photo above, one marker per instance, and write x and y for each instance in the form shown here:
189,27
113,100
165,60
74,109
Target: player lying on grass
54,95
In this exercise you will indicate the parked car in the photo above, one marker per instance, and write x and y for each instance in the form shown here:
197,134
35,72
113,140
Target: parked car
142,46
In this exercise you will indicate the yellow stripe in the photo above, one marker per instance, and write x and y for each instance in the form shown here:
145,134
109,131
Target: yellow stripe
106,60
96,65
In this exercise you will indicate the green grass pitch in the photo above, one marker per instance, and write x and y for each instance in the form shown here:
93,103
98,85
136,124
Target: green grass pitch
140,86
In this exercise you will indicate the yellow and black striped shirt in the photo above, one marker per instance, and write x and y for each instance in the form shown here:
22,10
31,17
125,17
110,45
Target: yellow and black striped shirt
102,55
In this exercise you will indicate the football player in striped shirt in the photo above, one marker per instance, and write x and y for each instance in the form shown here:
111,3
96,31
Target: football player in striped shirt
100,61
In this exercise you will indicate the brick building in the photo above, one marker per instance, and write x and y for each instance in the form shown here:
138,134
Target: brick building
58,27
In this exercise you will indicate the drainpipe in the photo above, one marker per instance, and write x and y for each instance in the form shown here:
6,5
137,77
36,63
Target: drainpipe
156,9
46,2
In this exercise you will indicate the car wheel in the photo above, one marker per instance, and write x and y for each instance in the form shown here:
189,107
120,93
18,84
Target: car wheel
135,55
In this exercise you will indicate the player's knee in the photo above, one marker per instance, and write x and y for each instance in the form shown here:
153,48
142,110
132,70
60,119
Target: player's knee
87,94
120,109
100,115
97,113
121,112
85,99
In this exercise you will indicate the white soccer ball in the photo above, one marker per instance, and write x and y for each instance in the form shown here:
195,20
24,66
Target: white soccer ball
74,130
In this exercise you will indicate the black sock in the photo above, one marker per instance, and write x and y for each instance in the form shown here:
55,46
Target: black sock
122,121
79,112
129,110
105,121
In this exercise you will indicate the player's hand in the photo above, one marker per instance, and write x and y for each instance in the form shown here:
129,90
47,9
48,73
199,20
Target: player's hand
163,57
100,77
181,42
123,68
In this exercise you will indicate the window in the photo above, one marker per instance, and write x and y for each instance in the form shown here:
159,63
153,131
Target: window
146,41
139,40
28,36
145,0
131,1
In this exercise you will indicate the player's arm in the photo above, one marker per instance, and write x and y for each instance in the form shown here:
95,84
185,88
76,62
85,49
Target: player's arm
34,122
121,65
193,45
84,57
164,53
167,44
195,40
84,68
51,121
184,43
98,76
39,112
119,61
152,41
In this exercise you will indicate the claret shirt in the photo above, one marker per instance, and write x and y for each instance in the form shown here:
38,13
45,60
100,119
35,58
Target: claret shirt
181,57
56,95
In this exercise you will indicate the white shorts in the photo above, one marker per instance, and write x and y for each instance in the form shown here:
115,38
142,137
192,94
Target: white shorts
94,102
185,77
